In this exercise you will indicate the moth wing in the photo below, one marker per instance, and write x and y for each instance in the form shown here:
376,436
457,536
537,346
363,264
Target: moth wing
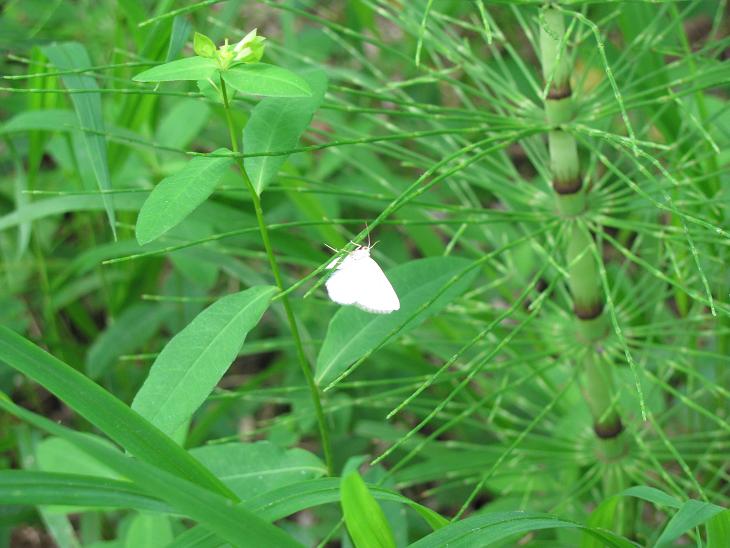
344,286
375,294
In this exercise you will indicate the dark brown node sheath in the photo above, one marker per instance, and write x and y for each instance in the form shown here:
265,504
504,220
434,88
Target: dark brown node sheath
608,431
567,187
590,312
558,93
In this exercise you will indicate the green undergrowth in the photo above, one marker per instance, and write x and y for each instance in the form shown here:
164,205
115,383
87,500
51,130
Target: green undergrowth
547,183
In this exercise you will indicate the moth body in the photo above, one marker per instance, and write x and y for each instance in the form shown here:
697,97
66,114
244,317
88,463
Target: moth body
359,281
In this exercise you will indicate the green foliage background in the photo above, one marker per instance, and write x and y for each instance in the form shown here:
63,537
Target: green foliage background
558,371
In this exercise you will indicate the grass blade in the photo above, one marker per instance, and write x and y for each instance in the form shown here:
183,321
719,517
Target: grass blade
104,411
51,488
493,528
288,500
690,515
73,56
217,513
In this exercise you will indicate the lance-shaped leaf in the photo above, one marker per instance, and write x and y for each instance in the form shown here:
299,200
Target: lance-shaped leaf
253,468
72,56
193,362
177,196
189,68
364,517
266,80
691,514
275,125
494,527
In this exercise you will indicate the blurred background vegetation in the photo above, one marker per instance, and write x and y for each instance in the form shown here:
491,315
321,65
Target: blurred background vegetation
573,155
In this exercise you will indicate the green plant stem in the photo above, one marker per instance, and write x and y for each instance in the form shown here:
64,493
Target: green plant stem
584,280
601,391
306,369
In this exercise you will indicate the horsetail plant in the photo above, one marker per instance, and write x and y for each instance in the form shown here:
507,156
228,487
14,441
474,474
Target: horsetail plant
573,203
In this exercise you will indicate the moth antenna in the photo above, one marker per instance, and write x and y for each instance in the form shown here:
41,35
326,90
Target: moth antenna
332,248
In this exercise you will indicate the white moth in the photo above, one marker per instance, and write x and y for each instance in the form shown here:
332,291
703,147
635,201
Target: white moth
359,281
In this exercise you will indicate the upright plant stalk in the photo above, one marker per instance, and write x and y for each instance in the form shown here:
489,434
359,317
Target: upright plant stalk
584,280
263,230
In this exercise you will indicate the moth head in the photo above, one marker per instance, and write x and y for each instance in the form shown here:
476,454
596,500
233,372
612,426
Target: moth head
361,252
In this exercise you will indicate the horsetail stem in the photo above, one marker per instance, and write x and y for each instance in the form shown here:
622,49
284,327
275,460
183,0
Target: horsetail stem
583,276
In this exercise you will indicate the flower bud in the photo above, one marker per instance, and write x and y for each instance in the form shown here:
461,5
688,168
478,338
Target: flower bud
249,50
203,46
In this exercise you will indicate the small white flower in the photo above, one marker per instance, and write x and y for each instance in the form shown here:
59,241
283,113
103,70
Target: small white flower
249,50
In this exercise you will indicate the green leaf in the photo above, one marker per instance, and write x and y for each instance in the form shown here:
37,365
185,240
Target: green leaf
53,488
690,515
128,332
652,494
179,33
104,411
61,456
189,68
718,530
288,500
602,517
203,46
56,522
275,125
364,517
353,333
177,196
251,468
193,362
266,80
41,120
493,528
434,519
73,56
148,531
217,513
63,204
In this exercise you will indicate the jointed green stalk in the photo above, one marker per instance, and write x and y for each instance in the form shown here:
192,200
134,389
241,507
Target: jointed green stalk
306,370
584,280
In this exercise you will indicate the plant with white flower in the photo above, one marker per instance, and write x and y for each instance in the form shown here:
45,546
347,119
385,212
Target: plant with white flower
249,49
